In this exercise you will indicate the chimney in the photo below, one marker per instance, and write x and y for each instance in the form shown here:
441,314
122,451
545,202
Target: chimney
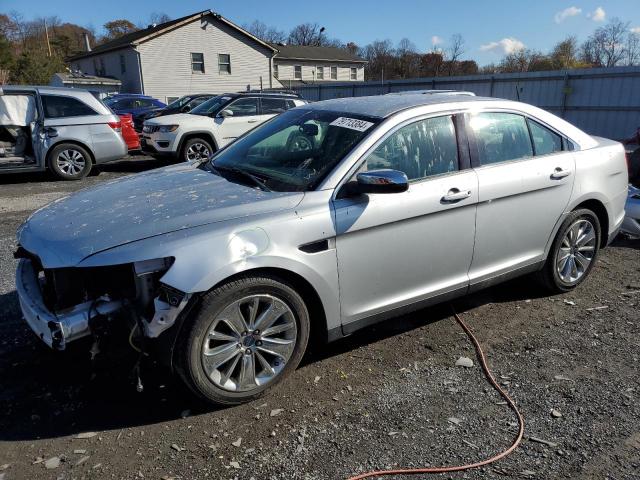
87,44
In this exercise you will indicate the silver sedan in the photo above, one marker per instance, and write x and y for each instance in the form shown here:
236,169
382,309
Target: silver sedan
324,220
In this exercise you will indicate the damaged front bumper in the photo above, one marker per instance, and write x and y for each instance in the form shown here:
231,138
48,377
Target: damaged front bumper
56,330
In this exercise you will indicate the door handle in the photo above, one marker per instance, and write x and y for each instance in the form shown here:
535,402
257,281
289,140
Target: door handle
455,195
559,173
252,121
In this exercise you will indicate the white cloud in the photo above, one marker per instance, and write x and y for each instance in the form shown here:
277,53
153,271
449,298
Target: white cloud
436,40
598,15
635,30
506,46
566,13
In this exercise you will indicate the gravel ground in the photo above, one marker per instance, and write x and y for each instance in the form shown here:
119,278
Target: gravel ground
389,396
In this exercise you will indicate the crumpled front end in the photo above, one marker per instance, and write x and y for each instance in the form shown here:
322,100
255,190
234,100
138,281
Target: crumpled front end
62,305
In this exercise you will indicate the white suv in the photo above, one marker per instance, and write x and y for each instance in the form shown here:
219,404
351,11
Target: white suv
213,124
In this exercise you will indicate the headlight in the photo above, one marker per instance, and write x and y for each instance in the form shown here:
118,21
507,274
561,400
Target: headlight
152,266
167,128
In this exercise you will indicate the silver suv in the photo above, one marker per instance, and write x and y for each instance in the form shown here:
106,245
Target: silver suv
328,218
64,130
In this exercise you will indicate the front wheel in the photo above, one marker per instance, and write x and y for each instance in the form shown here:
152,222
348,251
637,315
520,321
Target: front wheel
196,149
573,253
69,161
248,336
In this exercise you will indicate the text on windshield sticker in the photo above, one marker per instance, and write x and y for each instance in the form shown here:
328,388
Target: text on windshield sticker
352,123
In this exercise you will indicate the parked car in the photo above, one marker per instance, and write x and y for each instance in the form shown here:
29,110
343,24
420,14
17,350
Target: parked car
133,104
632,146
212,124
631,224
330,217
128,132
63,130
182,105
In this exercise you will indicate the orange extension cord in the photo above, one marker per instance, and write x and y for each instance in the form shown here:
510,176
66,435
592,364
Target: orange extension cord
457,468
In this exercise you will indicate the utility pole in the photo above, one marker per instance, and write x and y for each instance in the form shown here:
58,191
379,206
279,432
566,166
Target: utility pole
46,32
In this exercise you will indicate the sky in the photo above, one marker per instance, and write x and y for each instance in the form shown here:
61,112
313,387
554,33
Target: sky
490,28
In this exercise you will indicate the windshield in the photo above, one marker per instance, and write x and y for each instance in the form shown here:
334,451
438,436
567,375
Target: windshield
179,102
297,149
210,106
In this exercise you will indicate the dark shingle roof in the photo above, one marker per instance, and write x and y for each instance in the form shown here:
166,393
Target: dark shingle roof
130,38
305,52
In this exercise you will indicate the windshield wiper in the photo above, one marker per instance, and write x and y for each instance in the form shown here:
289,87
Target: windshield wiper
261,183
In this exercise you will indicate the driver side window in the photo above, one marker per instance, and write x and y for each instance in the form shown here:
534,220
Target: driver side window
421,149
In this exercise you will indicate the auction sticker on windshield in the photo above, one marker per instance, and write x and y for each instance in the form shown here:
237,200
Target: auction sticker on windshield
352,123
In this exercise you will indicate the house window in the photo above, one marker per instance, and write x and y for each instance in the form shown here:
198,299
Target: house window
334,73
123,64
354,73
197,62
275,71
297,72
171,99
320,73
224,63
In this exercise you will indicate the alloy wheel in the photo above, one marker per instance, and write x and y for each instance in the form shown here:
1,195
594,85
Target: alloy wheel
197,151
249,343
576,251
71,162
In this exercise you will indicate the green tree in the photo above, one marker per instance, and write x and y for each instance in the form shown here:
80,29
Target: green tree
36,68
118,28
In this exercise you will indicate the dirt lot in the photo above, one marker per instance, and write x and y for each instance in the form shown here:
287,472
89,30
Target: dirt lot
389,396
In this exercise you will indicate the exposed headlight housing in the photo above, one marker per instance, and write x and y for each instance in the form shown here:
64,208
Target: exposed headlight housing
167,128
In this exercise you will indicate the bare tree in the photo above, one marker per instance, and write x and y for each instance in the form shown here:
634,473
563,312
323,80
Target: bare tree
606,47
312,34
454,51
265,32
564,54
158,18
632,49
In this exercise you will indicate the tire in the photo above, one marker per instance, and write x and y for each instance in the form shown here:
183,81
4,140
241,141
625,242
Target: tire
196,149
211,335
69,161
560,277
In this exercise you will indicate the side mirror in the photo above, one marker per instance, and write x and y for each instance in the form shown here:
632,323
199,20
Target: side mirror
382,181
309,129
226,113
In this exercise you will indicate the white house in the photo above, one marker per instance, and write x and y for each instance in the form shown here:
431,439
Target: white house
206,53
203,52
296,64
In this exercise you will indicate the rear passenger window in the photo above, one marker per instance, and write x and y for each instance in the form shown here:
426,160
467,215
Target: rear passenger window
422,149
59,107
273,106
500,137
544,140
244,107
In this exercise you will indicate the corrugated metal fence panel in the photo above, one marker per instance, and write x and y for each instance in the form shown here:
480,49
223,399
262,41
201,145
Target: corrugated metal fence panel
601,101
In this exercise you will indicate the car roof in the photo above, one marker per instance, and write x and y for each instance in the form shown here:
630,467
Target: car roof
383,106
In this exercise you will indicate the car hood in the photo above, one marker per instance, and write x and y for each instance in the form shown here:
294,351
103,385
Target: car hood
178,119
141,206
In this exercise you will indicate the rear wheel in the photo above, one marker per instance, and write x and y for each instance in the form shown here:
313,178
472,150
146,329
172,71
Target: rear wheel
249,334
573,253
69,161
196,149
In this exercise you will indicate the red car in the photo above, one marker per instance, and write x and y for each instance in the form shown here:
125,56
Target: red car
128,133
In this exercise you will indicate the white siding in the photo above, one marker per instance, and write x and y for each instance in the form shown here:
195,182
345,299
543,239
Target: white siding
166,60
309,70
130,79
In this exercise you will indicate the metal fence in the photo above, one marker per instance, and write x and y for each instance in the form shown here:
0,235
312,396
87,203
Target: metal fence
600,101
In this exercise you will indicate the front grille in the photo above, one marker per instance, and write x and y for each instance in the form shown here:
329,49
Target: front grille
150,128
67,287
